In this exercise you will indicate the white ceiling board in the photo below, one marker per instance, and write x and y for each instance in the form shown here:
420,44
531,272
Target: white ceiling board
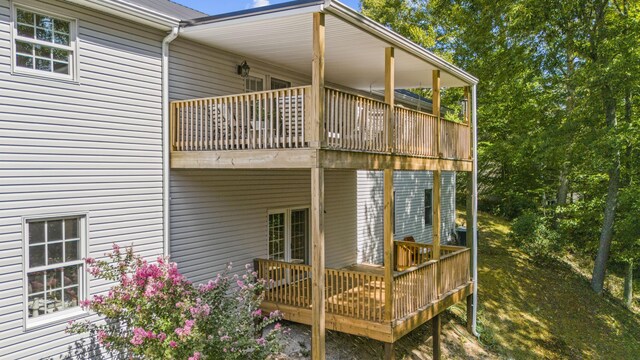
353,57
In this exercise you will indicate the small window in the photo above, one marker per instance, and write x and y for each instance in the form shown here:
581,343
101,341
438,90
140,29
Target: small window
253,84
279,84
54,266
288,235
428,206
43,44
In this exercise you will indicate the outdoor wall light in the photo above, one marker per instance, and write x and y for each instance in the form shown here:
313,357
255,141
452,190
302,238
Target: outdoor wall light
243,69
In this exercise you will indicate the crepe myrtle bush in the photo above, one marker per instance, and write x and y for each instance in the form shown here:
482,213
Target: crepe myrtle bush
154,312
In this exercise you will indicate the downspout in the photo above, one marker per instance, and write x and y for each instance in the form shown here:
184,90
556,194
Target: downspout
474,225
165,138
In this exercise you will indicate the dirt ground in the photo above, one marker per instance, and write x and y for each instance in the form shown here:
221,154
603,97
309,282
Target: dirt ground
457,344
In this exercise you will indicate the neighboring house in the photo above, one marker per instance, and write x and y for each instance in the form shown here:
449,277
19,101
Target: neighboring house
281,153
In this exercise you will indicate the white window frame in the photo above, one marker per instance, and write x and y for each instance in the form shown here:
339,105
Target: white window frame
83,278
287,231
72,47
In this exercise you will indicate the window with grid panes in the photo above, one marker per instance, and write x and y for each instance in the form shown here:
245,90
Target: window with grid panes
54,269
288,235
43,44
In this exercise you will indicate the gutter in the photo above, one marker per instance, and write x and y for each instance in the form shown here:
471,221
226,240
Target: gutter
474,208
165,139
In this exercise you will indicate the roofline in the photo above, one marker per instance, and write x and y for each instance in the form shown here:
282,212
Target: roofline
355,18
343,12
131,11
298,6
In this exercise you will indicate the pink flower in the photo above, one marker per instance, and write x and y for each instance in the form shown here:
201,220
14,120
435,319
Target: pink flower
161,336
139,334
277,326
94,271
257,313
101,335
173,344
261,341
90,260
116,248
85,303
196,356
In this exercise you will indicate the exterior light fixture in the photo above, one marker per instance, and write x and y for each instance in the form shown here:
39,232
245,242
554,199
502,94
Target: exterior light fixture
243,69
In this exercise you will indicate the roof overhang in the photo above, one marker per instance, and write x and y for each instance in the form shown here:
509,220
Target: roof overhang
354,47
131,12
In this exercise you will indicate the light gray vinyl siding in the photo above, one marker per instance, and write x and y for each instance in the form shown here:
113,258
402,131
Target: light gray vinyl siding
220,216
88,147
409,187
197,71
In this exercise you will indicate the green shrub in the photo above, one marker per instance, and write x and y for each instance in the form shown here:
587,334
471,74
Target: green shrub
533,235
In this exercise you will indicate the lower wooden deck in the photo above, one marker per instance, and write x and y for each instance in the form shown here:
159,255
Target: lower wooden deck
385,331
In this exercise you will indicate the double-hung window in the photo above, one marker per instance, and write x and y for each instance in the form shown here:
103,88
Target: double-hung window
43,44
55,278
288,235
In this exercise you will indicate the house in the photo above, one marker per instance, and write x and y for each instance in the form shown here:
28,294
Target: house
262,136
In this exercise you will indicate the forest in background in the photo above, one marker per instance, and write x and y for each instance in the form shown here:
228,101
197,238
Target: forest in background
558,126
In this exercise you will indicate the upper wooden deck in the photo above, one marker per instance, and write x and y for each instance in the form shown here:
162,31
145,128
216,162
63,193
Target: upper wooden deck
272,129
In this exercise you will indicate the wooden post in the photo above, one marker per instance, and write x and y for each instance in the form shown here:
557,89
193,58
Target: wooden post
316,136
317,264
388,351
437,225
436,107
389,92
436,323
388,245
470,305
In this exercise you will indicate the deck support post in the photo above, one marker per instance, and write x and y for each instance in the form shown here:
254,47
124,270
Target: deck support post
437,182
317,265
470,305
388,244
316,123
388,351
436,324
389,92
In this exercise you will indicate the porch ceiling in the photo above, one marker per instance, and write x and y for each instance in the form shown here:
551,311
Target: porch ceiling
354,56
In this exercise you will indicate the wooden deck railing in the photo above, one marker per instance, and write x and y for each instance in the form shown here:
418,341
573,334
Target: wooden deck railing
259,120
354,122
277,119
414,288
455,140
415,132
349,293
454,270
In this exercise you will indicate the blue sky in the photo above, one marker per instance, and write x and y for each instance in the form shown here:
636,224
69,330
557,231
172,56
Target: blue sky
213,7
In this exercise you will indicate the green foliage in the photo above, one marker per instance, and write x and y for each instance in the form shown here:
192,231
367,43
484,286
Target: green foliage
154,312
532,233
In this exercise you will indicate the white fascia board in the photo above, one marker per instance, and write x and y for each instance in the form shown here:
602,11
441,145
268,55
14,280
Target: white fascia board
132,12
250,18
346,13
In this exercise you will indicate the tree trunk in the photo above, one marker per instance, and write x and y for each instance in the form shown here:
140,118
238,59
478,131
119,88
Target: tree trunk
563,189
628,285
606,233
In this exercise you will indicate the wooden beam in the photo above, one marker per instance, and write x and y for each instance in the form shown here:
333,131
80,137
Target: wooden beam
470,313
245,159
316,135
389,93
388,244
437,224
436,324
435,87
317,264
337,159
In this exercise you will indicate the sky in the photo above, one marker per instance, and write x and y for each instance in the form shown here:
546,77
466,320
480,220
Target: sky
213,7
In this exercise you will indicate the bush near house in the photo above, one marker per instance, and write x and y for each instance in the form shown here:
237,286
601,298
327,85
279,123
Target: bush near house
154,312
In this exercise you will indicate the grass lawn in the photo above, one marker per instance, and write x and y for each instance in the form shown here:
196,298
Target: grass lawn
545,311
